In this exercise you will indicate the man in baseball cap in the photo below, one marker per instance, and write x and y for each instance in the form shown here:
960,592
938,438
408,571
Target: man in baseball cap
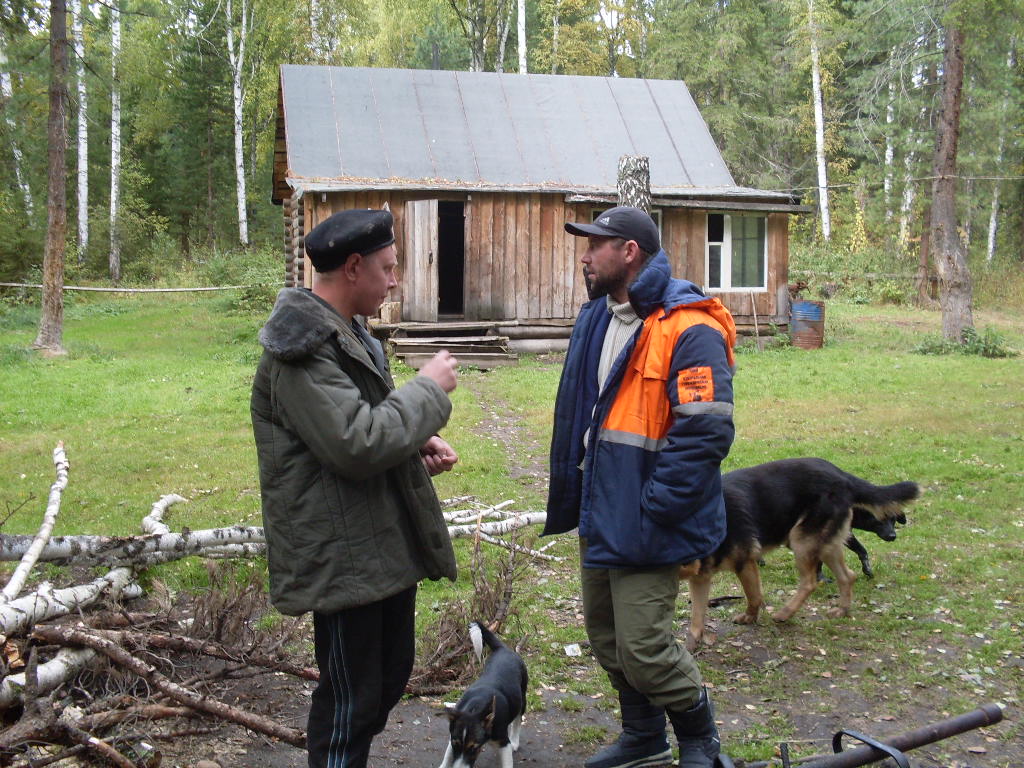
643,420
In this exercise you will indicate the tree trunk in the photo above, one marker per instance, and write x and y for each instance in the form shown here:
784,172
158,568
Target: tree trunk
993,218
51,321
554,36
521,35
946,247
819,125
83,131
504,21
890,152
6,97
921,280
115,144
635,182
907,204
236,58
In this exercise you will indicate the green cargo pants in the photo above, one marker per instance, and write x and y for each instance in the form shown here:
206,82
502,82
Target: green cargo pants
628,613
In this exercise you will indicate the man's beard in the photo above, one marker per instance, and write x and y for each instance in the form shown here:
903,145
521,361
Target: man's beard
598,287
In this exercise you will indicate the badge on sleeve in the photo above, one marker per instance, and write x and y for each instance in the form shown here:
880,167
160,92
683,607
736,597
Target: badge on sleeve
696,385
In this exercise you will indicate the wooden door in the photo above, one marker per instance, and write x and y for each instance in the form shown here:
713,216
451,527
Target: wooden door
419,278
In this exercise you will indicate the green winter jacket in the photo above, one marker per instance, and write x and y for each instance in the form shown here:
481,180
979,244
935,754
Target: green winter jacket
350,512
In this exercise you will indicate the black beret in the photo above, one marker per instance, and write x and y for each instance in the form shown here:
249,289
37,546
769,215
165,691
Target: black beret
359,230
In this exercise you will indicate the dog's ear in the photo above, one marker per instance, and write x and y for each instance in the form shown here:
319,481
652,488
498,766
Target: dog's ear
449,710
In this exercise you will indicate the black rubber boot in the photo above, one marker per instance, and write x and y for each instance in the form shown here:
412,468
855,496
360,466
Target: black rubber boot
698,737
642,741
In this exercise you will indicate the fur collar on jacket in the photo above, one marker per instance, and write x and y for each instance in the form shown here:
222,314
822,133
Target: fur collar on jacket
299,324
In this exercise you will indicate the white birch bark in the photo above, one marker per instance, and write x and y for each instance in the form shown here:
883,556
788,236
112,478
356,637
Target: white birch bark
993,216
236,58
110,550
819,125
78,33
114,260
521,35
499,527
65,665
555,23
154,521
890,151
47,603
31,556
504,21
6,97
907,204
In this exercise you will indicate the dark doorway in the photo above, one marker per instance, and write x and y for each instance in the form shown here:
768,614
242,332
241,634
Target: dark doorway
451,258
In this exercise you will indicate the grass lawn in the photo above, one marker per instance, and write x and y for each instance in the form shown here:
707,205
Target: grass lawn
153,399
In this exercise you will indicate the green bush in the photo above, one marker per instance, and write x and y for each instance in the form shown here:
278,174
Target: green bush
988,343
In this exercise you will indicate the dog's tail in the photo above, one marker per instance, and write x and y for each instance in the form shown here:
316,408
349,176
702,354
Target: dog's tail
883,501
480,635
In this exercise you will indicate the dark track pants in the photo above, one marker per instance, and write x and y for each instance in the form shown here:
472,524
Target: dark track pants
365,655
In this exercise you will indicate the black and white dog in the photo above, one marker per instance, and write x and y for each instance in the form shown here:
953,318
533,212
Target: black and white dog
492,708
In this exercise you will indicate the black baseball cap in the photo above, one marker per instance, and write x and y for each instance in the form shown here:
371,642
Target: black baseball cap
624,221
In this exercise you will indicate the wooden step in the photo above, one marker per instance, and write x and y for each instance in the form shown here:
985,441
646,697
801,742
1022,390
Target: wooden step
483,360
401,348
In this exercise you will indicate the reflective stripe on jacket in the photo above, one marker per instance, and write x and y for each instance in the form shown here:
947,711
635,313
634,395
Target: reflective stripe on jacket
649,492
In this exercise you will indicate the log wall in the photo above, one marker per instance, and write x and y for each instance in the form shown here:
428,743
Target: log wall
521,264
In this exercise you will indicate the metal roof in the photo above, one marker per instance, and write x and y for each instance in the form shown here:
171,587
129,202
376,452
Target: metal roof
364,128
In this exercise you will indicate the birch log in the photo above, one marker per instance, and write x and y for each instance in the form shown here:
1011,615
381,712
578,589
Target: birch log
46,603
17,580
65,665
108,550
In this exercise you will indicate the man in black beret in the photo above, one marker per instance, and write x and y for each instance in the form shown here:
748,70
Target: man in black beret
350,514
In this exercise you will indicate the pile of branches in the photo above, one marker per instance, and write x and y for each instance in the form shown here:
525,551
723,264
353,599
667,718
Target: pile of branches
80,673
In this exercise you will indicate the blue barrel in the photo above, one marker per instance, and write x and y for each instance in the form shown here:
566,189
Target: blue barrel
807,325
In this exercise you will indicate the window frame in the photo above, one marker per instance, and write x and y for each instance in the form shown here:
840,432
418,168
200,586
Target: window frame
725,261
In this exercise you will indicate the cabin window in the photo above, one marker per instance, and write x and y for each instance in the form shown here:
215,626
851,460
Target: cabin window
737,252
655,214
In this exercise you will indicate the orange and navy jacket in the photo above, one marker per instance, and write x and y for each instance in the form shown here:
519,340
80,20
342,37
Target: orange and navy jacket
649,492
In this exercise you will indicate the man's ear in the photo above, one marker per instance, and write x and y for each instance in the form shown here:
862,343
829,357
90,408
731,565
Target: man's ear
633,252
352,265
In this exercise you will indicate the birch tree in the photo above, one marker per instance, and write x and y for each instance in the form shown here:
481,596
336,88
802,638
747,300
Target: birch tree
83,130
51,321
6,99
819,122
114,260
236,59
993,218
521,35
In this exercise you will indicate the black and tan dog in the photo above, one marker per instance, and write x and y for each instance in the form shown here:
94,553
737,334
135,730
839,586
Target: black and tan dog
492,708
806,504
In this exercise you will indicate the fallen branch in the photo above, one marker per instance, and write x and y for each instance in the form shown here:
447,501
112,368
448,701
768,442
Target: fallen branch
154,521
111,550
17,580
47,603
514,547
180,643
498,528
98,721
64,666
121,657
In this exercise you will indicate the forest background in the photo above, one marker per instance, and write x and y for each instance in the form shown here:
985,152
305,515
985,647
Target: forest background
172,104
